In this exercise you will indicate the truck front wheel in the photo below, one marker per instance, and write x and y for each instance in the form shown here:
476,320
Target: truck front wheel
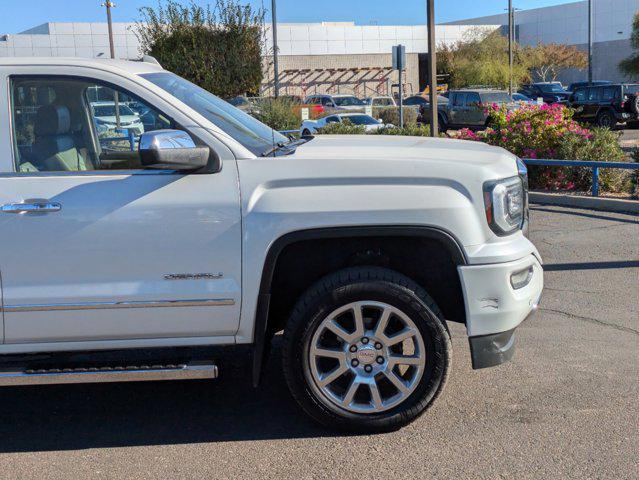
366,349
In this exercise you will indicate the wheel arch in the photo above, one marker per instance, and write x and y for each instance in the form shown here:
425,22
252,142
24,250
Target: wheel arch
261,338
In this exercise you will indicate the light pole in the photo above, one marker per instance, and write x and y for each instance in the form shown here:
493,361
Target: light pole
109,5
510,46
276,73
590,39
432,66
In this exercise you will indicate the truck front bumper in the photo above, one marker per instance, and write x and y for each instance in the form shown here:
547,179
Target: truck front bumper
498,297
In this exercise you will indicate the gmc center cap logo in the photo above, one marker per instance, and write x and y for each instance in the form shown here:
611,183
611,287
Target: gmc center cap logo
366,355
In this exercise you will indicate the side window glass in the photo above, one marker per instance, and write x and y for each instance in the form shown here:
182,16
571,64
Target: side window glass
580,95
332,120
472,100
71,124
459,99
608,93
119,120
594,94
27,99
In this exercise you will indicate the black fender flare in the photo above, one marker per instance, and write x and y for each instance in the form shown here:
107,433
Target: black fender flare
264,297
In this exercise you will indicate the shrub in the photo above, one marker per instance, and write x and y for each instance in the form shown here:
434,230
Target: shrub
390,115
216,47
277,113
344,128
412,130
347,128
548,131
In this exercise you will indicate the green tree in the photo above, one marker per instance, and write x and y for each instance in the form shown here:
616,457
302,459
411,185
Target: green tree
481,59
630,65
218,48
547,60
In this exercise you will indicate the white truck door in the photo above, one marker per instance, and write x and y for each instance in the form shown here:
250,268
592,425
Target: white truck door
116,252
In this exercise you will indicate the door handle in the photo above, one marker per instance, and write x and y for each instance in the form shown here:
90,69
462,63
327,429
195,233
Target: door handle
32,206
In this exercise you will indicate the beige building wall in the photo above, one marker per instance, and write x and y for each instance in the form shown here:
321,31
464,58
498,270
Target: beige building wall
363,75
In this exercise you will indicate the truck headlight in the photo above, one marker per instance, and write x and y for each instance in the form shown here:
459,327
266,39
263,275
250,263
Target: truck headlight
505,204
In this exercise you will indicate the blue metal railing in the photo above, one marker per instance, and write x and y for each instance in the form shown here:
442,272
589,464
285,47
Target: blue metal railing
595,166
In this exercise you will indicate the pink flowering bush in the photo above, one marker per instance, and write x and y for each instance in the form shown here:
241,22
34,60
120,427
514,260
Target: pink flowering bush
549,132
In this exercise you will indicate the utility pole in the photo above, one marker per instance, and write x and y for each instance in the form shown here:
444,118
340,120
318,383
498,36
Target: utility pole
432,66
109,5
276,72
510,46
590,39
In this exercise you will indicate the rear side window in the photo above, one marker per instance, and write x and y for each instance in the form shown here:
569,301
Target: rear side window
594,94
472,99
385,102
580,95
609,93
459,99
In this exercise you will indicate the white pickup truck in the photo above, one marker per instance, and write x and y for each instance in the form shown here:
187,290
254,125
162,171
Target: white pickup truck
145,256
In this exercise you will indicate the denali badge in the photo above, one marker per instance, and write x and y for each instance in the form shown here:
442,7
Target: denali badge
192,276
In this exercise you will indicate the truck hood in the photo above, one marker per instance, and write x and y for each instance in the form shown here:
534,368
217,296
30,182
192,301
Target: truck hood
448,153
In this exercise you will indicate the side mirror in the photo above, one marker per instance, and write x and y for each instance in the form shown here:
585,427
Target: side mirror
171,150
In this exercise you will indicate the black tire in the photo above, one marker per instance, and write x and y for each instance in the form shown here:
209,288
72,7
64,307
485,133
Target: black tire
353,285
606,119
633,103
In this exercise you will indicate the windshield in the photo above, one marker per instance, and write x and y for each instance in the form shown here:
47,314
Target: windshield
249,132
109,110
361,119
497,97
550,88
347,101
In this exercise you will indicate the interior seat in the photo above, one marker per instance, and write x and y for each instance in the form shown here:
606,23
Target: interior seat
55,147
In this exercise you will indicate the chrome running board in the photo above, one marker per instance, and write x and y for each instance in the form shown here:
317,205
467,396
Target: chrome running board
191,371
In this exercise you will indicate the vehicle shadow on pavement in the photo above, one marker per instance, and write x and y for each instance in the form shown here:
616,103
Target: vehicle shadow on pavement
71,417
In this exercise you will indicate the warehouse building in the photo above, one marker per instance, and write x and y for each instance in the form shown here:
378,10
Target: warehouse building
341,57
568,24
313,58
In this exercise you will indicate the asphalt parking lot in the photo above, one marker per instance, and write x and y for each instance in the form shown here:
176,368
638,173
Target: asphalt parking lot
566,407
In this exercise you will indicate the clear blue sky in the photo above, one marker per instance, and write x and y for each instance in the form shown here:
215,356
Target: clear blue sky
18,15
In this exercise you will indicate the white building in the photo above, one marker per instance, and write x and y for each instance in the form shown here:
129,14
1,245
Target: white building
342,56
317,57
568,24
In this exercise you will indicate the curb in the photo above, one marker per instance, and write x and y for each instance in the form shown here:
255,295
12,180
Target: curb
593,203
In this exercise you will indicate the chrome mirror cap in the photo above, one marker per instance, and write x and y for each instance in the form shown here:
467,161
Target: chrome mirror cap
172,150
165,139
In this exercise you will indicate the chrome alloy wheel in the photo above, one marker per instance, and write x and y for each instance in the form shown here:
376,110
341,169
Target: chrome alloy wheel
366,357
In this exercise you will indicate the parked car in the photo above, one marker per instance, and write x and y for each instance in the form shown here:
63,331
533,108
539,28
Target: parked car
551,92
575,85
467,108
105,117
415,100
309,127
380,101
241,103
519,97
184,256
336,102
606,105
